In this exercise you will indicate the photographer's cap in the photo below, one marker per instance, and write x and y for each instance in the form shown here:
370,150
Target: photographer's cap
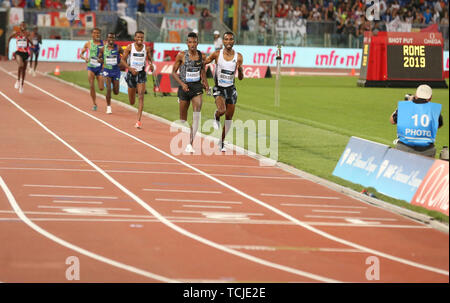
424,92
216,33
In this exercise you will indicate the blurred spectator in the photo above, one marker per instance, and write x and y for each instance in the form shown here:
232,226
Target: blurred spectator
53,4
177,7
104,5
86,6
185,9
330,12
121,8
191,8
18,3
218,43
205,13
141,6
427,15
444,20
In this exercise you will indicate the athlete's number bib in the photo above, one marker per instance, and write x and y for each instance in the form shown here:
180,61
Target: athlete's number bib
138,61
111,60
226,77
21,43
193,74
94,61
35,41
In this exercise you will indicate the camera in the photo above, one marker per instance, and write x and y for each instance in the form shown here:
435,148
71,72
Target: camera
409,97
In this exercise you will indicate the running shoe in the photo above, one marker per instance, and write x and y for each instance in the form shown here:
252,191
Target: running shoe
94,108
138,124
17,85
30,71
34,73
222,147
108,110
189,149
216,123
21,89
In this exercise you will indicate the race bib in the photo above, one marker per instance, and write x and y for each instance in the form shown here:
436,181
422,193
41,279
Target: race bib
111,60
94,61
226,77
35,41
193,75
21,43
138,61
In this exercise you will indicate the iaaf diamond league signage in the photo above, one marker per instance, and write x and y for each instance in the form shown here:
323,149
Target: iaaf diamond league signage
418,180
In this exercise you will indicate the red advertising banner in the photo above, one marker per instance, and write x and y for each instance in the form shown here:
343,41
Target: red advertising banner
433,192
250,71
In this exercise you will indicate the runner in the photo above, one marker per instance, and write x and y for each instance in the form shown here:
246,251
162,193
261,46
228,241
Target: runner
192,80
21,54
227,62
134,59
110,56
36,39
94,67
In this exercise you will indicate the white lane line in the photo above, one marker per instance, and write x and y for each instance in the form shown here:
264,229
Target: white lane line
279,248
300,196
218,213
152,210
198,220
77,202
323,205
147,172
133,162
84,207
206,206
67,196
71,246
346,217
257,201
197,201
335,211
359,221
63,186
183,191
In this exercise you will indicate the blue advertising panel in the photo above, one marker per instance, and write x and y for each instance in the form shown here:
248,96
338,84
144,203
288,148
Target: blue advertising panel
360,161
401,174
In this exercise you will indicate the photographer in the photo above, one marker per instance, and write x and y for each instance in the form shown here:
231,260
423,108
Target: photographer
417,121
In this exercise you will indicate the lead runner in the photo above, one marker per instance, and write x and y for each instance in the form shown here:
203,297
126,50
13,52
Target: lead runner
227,62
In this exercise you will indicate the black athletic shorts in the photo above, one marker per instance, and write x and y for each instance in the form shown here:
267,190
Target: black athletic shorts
228,93
24,55
195,89
132,81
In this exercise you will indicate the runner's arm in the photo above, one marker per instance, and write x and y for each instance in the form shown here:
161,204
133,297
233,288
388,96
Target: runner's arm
240,61
178,61
203,77
211,58
149,58
85,48
100,55
7,44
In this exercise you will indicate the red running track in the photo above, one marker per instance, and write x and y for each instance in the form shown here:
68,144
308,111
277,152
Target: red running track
89,185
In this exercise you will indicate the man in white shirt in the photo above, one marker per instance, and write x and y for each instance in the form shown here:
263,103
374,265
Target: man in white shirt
218,43
121,8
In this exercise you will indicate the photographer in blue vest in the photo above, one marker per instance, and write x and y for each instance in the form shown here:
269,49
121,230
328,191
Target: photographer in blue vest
417,121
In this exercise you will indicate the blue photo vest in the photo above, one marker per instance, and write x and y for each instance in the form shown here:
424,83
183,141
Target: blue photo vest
417,123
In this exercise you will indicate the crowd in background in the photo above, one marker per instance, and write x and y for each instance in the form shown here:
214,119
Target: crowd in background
348,16
179,7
